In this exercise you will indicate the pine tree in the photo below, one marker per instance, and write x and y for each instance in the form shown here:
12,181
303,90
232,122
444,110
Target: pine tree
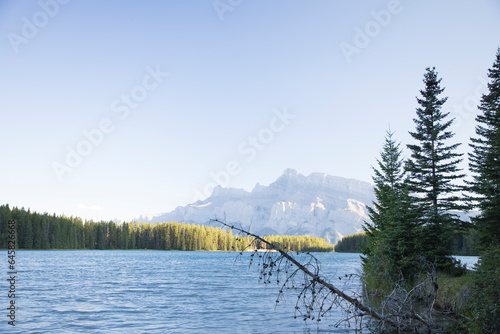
101,236
45,233
485,162
433,172
388,179
37,234
5,216
27,237
125,236
391,247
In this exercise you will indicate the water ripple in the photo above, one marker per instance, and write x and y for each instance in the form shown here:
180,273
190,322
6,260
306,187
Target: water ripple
155,292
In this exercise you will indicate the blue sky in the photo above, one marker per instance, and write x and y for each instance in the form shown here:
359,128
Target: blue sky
120,108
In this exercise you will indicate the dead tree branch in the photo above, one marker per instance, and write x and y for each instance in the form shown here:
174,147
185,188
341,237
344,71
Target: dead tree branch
314,285
316,296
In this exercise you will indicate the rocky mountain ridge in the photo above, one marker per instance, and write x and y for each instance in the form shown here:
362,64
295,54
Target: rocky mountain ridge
318,205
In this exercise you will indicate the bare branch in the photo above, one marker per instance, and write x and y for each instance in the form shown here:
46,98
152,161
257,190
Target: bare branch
308,294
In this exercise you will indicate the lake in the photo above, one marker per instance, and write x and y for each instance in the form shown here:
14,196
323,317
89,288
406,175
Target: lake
158,292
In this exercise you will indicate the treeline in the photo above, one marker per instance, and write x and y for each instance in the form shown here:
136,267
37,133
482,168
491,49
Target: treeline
44,231
299,243
463,243
351,243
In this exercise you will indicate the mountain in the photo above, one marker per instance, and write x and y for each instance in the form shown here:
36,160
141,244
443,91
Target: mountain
318,205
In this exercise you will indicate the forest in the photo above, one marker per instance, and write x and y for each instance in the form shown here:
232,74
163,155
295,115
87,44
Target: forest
43,231
411,283
414,229
463,243
352,243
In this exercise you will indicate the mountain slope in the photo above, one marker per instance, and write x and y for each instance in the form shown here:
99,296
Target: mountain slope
319,205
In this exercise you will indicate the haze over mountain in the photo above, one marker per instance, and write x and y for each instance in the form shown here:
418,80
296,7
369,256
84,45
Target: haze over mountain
318,205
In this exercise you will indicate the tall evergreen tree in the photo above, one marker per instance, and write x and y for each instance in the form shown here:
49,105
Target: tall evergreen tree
388,180
37,234
5,216
45,233
433,171
27,237
101,236
391,246
485,162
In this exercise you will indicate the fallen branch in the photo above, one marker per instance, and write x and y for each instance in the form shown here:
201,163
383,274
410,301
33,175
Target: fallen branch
315,276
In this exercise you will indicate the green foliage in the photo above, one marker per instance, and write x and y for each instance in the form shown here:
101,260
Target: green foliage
485,296
353,243
413,231
300,243
485,162
37,231
433,172
391,251
465,243
453,292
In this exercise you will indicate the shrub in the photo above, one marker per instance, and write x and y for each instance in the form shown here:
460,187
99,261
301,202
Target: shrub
485,298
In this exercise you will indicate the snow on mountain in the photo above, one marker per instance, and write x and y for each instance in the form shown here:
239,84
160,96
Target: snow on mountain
318,205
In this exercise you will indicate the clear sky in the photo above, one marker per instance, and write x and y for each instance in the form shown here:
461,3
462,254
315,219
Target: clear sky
112,109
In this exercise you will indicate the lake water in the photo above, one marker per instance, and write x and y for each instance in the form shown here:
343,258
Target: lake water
157,292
